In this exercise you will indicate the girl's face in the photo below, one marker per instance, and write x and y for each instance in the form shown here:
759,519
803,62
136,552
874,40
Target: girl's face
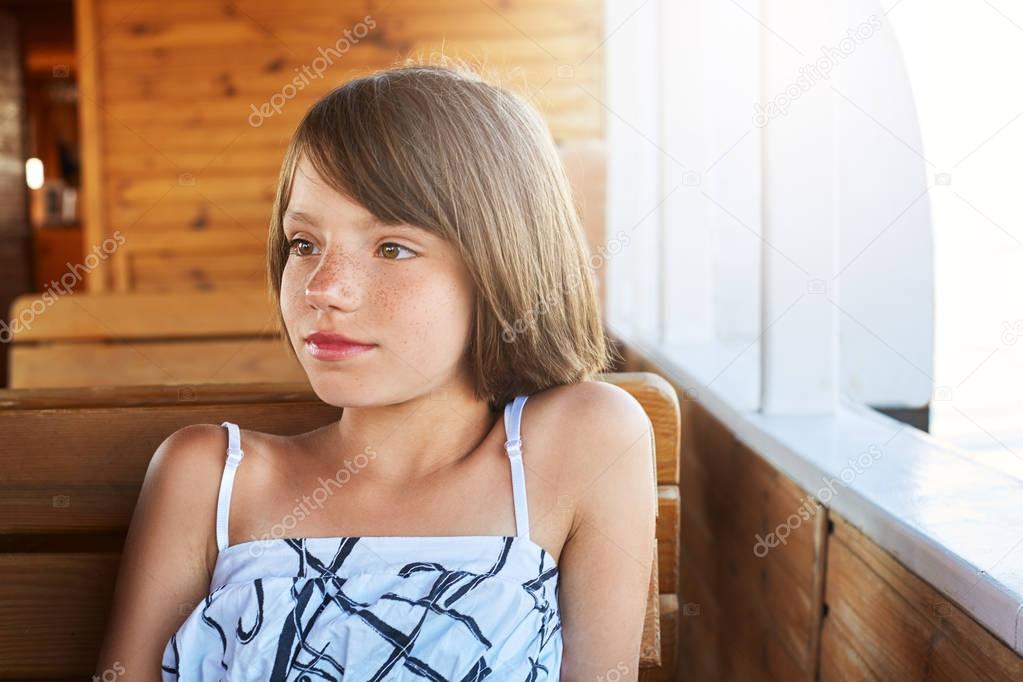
401,289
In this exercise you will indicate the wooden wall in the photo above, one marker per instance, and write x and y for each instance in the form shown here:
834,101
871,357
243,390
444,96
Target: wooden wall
828,604
167,89
15,234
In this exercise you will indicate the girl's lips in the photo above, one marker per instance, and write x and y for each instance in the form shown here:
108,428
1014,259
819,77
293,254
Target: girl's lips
324,347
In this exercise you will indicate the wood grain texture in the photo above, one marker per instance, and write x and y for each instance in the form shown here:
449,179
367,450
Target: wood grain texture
91,142
135,363
117,339
668,520
51,600
742,617
884,622
116,316
167,90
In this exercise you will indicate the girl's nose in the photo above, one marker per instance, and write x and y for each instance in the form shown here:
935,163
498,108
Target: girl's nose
336,282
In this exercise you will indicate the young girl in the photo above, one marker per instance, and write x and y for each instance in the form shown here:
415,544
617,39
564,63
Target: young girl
432,277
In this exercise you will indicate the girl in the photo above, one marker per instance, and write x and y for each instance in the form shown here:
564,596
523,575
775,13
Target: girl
432,277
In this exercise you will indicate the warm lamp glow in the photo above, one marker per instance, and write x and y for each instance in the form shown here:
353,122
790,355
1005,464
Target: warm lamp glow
34,173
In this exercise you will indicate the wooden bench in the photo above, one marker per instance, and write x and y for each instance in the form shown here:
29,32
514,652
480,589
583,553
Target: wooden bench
147,339
71,466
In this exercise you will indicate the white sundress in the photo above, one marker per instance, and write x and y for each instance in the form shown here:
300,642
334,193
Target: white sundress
375,607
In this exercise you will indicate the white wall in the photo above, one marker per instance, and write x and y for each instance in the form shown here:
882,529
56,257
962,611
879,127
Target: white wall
783,255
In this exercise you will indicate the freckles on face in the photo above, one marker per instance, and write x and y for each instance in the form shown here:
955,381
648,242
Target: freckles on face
415,304
427,313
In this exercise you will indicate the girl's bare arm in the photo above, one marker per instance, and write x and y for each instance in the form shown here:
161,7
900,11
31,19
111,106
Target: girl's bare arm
164,569
606,562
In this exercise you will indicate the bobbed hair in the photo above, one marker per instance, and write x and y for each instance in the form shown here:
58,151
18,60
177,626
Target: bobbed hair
436,146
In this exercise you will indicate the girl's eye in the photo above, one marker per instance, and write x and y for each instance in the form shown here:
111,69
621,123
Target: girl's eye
298,243
389,248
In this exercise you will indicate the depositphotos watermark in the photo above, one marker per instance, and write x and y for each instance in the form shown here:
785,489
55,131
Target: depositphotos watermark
62,287
810,506
816,71
313,70
619,672
111,673
320,494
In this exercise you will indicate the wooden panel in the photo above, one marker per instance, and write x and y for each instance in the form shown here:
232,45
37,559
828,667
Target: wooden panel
764,604
89,481
15,242
167,91
146,396
744,616
203,271
668,537
884,622
123,364
144,316
747,618
118,339
92,143
52,603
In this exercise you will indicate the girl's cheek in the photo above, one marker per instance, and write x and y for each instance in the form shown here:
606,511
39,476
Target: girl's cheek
291,291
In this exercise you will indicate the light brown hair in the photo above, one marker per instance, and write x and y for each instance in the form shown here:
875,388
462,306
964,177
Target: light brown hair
438,147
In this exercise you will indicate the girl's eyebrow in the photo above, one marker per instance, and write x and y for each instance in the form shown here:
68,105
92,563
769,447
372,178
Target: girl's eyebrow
368,223
299,216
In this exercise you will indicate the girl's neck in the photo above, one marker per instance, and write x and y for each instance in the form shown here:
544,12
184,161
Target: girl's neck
408,441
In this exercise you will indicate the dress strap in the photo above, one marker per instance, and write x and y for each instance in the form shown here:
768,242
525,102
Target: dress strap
513,446
234,456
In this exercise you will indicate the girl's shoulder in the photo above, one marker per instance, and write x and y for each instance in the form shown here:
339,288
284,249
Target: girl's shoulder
192,461
587,407
581,419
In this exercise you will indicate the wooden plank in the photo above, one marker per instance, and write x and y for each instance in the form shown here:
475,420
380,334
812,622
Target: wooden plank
668,519
87,42
194,222
821,535
896,625
182,271
242,360
838,661
53,612
142,190
47,486
145,316
757,614
244,83
143,396
699,628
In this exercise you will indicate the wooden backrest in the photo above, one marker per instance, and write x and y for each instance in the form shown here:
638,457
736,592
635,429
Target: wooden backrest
71,466
147,339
